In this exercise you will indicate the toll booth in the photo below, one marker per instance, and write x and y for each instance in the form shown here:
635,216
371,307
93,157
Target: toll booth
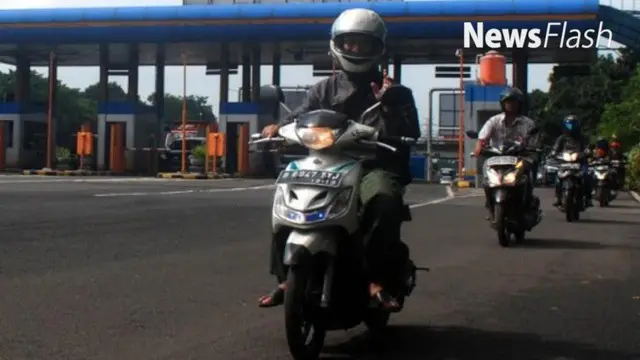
123,130
237,121
24,134
481,103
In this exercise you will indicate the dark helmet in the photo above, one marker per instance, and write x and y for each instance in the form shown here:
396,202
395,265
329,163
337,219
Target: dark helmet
511,94
570,125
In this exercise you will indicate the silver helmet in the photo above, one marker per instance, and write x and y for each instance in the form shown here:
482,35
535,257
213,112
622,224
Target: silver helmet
358,40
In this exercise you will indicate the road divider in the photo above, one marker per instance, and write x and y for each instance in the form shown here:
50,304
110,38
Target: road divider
193,176
50,172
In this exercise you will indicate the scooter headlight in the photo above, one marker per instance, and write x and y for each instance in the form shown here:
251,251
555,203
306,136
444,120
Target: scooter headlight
510,178
316,138
573,156
601,175
493,177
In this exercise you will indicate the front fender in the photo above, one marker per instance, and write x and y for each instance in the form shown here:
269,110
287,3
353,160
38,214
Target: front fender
302,243
500,195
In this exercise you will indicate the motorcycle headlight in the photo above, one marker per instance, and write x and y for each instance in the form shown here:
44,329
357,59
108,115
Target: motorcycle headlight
510,178
316,138
570,156
493,177
601,175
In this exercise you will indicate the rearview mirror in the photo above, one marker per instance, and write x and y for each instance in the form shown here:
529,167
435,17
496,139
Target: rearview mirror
397,95
471,134
269,101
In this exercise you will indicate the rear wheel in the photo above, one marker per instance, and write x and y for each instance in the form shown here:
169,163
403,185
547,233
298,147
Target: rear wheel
519,236
304,335
499,217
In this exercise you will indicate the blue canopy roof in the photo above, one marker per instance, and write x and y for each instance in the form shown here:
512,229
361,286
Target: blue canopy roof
308,21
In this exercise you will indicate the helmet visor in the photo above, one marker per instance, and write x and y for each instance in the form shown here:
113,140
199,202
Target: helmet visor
356,46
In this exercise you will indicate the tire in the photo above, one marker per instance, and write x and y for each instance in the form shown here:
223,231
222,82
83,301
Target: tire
296,322
602,196
569,206
376,321
519,236
499,216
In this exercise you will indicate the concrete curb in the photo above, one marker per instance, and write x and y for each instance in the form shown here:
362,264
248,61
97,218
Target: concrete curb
65,173
193,176
635,195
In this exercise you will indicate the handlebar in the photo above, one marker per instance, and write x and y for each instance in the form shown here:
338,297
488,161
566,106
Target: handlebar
381,142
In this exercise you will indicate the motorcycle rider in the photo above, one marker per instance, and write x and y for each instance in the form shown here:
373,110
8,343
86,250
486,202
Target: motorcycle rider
573,140
508,125
617,154
358,42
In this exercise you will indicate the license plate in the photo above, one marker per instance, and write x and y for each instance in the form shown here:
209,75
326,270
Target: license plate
502,161
309,177
571,166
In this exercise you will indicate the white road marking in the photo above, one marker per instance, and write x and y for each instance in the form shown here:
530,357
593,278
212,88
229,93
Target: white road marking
187,191
450,196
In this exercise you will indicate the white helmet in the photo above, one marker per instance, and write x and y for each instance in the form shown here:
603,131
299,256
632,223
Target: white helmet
358,38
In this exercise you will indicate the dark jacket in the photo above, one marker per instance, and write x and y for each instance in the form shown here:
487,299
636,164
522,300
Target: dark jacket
352,95
569,143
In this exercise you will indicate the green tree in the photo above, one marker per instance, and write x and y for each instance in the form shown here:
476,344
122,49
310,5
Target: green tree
71,108
197,108
623,118
584,96
114,92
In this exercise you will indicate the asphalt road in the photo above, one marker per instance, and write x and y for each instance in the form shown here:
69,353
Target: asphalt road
160,269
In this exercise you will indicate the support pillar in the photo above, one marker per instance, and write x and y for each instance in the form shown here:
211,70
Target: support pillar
103,98
256,66
133,67
277,59
103,84
520,74
23,79
397,68
159,91
159,103
51,133
224,73
384,65
246,75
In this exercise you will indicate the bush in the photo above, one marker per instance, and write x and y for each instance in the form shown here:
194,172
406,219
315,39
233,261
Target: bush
633,169
199,152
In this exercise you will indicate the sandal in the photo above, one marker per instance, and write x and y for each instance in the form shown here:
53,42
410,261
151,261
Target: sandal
386,302
274,298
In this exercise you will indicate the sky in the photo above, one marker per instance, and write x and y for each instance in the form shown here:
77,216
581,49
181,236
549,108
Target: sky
418,77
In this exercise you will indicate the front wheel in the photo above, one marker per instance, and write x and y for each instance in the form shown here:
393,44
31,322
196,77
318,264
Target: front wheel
500,217
602,196
376,320
569,206
304,335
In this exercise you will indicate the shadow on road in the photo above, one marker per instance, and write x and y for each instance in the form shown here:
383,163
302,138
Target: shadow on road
461,343
561,244
608,222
